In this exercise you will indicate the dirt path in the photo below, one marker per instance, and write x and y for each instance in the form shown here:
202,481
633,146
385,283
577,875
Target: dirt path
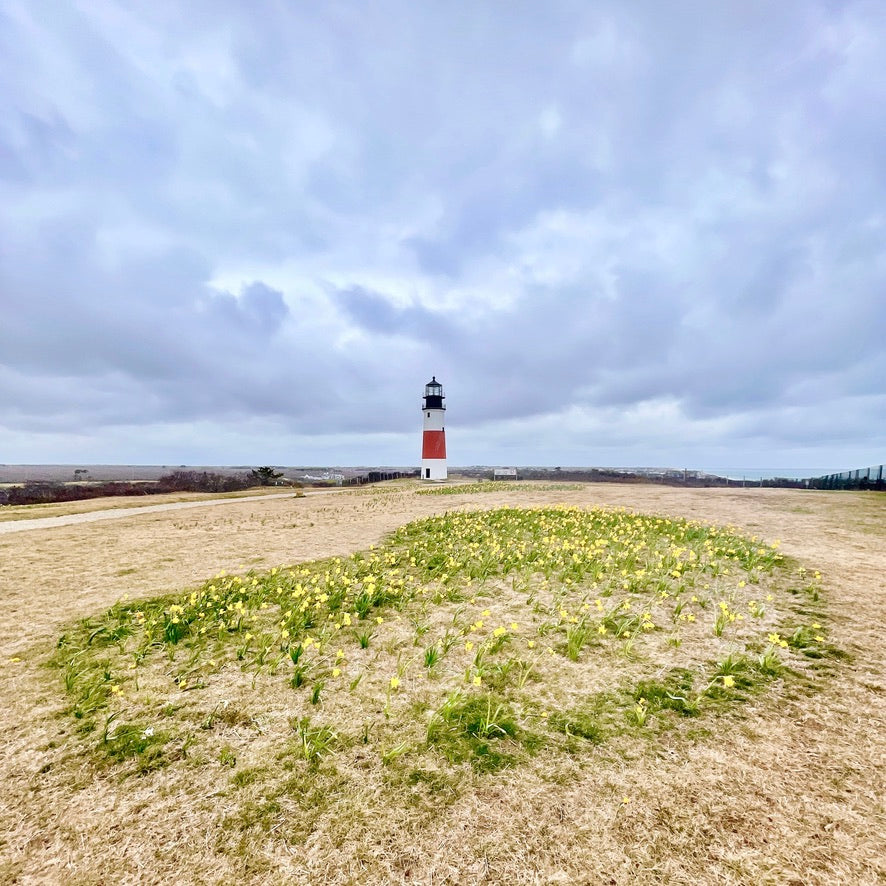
26,525
792,796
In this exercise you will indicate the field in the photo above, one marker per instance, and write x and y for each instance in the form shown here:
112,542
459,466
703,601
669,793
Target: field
90,505
530,683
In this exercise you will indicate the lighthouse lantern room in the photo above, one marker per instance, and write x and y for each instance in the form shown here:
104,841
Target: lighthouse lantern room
433,441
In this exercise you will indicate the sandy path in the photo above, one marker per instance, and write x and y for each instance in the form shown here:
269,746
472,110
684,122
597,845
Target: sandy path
119,513
795,797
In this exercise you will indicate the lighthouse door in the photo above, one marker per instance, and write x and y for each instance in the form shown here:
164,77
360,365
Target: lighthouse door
427,473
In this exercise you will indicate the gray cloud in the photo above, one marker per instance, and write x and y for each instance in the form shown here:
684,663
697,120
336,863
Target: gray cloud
656,229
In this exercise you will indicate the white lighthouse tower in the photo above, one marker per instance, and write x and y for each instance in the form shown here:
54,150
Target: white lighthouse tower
433,439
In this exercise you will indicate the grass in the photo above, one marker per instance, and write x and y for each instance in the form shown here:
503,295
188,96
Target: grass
518,613
716,797
496,486
313,742
480,729
88,505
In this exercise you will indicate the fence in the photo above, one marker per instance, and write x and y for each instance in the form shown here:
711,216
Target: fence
377,477
873,477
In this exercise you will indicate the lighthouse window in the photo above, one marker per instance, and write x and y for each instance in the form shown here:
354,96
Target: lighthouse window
429,415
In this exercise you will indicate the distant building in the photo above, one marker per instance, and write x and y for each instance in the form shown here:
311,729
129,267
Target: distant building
504,474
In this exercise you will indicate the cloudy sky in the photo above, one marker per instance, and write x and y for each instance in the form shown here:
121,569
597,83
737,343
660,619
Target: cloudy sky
646,233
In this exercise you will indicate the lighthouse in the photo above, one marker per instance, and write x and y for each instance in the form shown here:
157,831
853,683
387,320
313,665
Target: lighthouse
433,438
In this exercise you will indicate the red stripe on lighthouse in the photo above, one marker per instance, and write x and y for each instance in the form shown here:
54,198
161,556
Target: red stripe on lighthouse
433,444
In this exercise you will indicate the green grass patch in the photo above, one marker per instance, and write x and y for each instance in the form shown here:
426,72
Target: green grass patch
482,730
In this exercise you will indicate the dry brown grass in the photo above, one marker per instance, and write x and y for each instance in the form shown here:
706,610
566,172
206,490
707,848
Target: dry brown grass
90,505
787,790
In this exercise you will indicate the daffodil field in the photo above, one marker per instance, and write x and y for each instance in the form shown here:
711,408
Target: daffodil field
497,486
465,642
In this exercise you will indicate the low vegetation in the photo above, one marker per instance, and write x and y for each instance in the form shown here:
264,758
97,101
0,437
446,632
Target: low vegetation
466,644
496,486
45,492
